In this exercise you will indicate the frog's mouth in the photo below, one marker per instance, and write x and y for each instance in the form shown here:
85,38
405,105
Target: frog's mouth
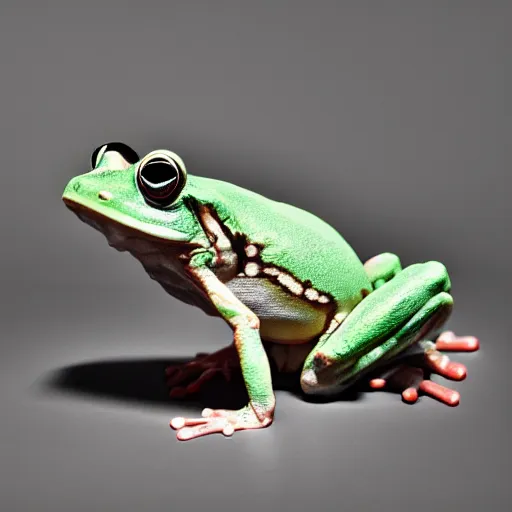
126,234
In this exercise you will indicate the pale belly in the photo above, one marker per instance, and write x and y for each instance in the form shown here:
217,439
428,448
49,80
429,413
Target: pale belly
284,317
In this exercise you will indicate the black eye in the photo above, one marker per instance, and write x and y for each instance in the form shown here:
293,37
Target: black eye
125,151
160,180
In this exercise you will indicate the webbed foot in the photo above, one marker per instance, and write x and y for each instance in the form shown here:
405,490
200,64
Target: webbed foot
223,421
410,380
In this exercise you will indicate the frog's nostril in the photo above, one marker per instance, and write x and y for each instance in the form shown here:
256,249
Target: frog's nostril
76,186
104,195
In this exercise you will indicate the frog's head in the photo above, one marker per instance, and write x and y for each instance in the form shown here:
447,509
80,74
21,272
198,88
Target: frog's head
126,197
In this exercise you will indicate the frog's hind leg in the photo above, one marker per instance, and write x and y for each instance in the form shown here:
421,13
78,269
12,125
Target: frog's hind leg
400,312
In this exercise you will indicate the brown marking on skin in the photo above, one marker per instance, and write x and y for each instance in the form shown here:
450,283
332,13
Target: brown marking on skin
236,250
224,253
321,361
365,293
229,247
244,251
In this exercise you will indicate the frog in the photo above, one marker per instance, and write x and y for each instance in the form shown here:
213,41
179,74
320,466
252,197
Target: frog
279,276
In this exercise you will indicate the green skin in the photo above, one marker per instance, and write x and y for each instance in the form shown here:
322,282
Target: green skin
368,312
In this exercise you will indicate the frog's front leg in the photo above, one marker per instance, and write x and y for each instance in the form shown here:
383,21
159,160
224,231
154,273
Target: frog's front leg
397,314
253,362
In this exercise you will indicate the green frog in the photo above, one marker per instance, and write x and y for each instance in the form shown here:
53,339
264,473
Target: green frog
279,276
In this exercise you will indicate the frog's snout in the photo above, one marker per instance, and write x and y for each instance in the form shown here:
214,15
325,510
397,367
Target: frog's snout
73,186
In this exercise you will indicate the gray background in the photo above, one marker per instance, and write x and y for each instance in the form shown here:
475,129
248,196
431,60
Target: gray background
391,120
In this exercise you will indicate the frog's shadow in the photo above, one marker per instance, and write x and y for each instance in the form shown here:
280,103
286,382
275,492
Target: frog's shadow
143,381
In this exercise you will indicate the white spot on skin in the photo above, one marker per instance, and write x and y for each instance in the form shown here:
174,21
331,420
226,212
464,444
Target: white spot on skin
104,195
336,322
339,317
311,294
332,326
252,269
251,251
289,282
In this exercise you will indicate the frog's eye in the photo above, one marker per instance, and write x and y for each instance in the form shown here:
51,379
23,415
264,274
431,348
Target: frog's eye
160,179
117,153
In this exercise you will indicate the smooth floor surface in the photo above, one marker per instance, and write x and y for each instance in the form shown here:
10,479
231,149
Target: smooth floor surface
85,422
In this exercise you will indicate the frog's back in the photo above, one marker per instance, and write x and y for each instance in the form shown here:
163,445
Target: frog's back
292,239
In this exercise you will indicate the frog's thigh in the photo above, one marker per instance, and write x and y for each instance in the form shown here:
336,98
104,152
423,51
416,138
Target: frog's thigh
284,317
401,312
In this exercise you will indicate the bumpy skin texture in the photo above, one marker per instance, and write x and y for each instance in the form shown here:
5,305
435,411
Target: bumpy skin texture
273,272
